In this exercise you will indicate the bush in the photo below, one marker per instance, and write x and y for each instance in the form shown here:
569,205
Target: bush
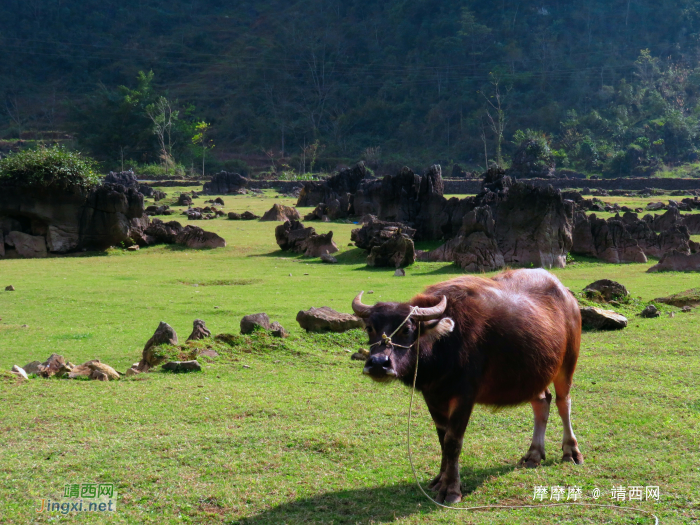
52,167
158,172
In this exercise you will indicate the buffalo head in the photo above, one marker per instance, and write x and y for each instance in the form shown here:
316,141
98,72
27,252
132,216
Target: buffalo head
393,356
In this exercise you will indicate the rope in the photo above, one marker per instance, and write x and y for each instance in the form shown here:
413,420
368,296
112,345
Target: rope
485,507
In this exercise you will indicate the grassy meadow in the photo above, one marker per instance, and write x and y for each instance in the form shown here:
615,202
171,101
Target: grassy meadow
289,431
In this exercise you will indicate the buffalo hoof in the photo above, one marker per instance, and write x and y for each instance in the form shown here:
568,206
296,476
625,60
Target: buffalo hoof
573,457
532,459
436,483
449,496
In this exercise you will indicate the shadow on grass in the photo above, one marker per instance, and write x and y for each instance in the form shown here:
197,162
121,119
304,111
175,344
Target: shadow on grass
375,505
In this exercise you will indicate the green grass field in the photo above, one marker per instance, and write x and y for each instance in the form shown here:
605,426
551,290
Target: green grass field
290,431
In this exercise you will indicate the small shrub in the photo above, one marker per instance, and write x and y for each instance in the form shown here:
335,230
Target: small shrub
52,167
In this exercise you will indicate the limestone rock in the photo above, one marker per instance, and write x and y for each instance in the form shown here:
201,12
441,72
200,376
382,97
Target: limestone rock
277,330
199,331
184,200
606,289
650,312
225,182
33,367
675,261
326,258
54,365
182,366
326,319
196,237
164,335
28,246
337,192
19,371
250,322
292,235
10,288
279,212
476,252
600,319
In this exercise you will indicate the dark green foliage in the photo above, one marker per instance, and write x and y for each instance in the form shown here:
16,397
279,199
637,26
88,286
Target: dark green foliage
49,167
403,75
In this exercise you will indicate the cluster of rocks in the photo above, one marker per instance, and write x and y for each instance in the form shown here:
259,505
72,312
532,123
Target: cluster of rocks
388,243
36,221
245,216
294,236
224,182
57,366
203,214
159,232
165,335
164,209
627,238
184,199
128,180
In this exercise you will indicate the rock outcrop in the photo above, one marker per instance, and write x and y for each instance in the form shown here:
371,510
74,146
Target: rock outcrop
294,236
411,199
508,224
67,220
280,212
224,182
199,331
675,261
164,335
335,195
628,239
388,243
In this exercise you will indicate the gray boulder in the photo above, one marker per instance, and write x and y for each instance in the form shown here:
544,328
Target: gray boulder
182,366
600,319
606,289
326,319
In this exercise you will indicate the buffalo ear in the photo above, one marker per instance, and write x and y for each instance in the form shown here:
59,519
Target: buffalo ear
437,328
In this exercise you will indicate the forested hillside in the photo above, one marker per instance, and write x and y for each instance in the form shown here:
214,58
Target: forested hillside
605,85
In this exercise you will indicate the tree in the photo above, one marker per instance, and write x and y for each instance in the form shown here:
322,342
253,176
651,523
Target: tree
163,117
496,116
201,131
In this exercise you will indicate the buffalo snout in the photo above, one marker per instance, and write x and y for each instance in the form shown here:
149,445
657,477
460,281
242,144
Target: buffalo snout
379,368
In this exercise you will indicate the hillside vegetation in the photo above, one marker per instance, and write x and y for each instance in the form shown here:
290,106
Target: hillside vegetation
611,86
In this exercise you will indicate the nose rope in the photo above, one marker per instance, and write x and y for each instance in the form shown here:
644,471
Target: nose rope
386,339
488,507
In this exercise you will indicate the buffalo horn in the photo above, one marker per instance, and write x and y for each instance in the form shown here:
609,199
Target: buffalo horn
361,310
426,314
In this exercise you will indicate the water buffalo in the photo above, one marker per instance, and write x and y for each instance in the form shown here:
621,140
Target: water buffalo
495,341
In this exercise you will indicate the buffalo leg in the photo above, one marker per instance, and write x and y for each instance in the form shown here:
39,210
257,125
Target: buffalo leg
449,490
440,425
569,446
540,406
